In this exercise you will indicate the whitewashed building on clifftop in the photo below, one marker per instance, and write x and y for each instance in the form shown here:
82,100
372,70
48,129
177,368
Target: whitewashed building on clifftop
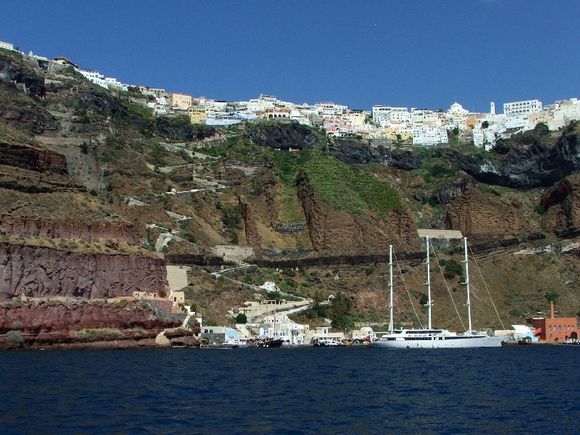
516,113
7,46
424,135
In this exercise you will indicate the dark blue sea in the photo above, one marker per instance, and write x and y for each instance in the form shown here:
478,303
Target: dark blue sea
305,390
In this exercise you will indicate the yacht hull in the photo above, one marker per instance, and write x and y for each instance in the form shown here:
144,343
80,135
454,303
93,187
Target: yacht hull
457,342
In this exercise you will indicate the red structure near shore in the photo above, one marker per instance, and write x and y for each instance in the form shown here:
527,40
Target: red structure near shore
553,329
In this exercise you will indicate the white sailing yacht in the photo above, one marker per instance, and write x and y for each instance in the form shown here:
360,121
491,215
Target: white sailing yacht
434,338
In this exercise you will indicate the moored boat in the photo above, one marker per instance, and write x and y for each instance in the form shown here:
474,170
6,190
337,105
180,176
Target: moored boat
434,338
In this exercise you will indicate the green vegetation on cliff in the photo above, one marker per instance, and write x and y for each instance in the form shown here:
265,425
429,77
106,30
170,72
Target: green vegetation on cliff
344,187
348,188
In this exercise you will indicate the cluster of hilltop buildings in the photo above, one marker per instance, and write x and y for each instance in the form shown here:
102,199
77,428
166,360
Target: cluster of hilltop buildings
421,127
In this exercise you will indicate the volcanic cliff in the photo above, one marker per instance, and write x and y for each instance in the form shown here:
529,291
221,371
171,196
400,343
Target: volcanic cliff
97,195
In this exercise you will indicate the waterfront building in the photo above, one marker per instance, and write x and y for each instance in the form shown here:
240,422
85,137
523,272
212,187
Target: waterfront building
279,326
555,329
324,333
217,335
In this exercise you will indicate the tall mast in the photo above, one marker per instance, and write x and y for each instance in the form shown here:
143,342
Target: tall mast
428,283
466,283
391,310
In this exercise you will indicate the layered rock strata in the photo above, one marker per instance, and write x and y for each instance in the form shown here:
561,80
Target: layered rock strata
42,272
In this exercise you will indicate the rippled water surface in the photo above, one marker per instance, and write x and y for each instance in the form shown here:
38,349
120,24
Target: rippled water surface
307,390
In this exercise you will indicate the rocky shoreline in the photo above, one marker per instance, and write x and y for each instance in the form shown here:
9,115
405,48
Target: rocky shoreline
92,324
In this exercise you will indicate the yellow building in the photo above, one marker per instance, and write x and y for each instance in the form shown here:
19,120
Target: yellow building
398,134
197,115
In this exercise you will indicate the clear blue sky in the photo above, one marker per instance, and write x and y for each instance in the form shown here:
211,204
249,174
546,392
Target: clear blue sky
419,53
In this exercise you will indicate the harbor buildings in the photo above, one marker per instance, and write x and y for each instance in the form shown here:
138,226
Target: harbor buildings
555,329
280,326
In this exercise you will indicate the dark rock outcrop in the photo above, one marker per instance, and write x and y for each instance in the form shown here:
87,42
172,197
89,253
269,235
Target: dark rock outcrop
22,88
405,160
41,272
180,129
24,112
283,136
101,102
358,152
451,190
354,151
18,73
524,167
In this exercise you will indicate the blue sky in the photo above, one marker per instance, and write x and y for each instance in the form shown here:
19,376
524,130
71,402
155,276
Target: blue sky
417,53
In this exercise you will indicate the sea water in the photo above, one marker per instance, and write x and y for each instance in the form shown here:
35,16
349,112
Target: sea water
532,389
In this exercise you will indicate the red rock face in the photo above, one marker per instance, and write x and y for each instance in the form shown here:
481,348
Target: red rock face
479,215
562,207
334,232
46,317
41,272
35,159
69,229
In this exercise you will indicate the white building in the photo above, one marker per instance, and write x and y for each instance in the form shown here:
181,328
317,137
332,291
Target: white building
484,137
519,108
427,117
113,83
279,326
261,104
457,116
7,45
330,108
95,77
565,111
322,332
517,112
424,135
387,116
